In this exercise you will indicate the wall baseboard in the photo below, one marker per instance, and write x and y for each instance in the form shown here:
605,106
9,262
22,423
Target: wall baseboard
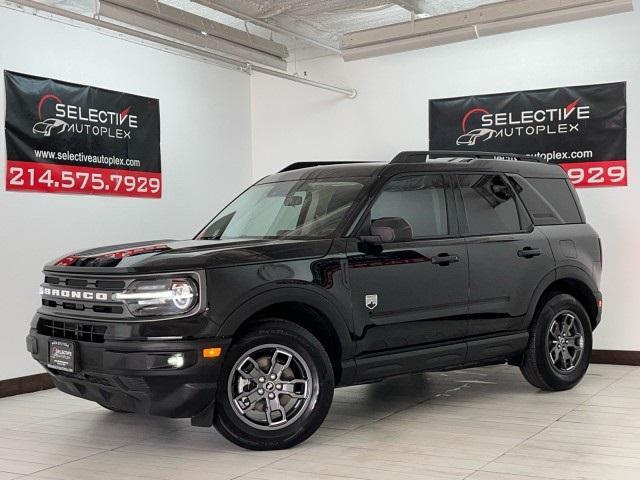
28,384
616,357
42,381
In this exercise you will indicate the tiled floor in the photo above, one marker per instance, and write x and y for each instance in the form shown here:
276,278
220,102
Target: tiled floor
481,424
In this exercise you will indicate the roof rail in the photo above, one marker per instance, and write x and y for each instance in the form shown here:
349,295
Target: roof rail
422,156
299,165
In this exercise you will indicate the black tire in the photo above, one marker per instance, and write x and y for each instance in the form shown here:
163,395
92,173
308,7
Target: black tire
275,331
115,410
537,365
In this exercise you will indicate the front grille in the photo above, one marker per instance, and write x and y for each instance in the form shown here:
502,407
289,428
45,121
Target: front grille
114,309
85,282
83,332
78,296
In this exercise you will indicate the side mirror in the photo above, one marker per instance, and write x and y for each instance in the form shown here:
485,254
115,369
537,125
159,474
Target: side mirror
370,239
391,229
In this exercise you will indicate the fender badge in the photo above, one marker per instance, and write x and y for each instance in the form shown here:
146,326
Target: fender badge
371,301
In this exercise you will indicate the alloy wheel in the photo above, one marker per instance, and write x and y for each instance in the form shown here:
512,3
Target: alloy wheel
565,341
270,387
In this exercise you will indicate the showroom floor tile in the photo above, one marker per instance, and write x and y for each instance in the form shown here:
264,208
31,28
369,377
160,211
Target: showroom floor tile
480,424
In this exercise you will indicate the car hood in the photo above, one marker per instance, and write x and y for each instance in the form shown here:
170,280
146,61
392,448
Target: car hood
173,255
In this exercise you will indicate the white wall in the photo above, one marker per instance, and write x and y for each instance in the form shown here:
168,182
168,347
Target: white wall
209,122
206,159
293,122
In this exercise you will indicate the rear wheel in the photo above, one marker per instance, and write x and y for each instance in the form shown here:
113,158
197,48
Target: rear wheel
275,389
560,344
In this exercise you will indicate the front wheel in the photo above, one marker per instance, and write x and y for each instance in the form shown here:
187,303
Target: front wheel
115,410
560,345
275,389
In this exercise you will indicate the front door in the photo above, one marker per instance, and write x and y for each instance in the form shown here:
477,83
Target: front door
413,292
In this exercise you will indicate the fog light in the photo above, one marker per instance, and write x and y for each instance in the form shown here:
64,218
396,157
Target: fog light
176,360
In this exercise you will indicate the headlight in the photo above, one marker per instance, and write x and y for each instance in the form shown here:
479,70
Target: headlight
160,296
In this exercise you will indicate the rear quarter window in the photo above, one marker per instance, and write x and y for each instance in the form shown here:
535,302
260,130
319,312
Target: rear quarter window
550,201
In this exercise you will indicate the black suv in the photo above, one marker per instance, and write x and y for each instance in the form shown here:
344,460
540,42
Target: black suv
329,275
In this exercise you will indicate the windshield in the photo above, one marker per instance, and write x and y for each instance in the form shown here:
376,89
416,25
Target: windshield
293,209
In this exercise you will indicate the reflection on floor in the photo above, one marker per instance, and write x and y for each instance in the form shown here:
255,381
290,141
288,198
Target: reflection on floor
485,423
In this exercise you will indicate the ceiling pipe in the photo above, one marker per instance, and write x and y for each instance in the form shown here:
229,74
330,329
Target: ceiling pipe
270,26
349,92
237,64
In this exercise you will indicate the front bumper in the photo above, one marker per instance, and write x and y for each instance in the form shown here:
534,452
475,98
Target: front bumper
134,375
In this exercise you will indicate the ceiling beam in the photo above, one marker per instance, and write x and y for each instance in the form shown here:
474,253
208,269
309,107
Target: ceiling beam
51,12
417,6
231,7
489,19
202,24
187,35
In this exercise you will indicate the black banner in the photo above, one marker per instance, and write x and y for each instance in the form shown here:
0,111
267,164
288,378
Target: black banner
581,128
63,137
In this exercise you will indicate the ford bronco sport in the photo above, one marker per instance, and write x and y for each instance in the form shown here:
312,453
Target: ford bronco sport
328,275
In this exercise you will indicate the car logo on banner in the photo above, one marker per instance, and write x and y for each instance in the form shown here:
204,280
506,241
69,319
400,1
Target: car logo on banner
50,126
476,135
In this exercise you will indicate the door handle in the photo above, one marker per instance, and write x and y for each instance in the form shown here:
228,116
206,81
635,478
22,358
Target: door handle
528,252
444,259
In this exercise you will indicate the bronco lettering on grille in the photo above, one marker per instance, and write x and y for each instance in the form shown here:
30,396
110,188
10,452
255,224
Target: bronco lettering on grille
74,294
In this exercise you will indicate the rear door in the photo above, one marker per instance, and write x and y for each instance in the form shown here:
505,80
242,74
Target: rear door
404,294
508,256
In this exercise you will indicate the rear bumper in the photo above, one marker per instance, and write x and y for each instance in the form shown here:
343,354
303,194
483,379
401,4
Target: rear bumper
135,376
598,296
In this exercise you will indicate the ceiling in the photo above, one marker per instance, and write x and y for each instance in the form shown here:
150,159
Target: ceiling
324,21
277,32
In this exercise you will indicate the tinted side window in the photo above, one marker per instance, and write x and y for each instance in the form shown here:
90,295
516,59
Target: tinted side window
557,193
418,199
489,204
540,209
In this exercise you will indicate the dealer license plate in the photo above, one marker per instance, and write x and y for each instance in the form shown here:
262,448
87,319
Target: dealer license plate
62,355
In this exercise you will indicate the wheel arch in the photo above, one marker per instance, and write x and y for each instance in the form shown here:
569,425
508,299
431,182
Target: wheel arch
301,306
573,281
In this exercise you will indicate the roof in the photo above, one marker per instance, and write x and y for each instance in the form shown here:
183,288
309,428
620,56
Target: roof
327,170
318,170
